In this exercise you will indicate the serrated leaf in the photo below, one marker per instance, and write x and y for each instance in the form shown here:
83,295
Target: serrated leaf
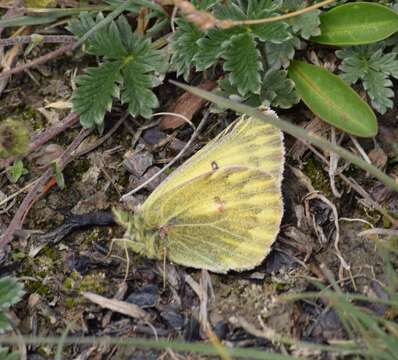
278,90
243,61
258,9
279,55
11,291
94,92
276,32
136,90
307,24
211,47
229,11
357,23
372,66
105,42
379,90
332,99
185,47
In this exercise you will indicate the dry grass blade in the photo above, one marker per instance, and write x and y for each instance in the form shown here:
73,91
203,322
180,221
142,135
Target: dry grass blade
121,307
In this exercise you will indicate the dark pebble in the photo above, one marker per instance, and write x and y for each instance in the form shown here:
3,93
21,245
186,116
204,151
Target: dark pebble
173,319
145,297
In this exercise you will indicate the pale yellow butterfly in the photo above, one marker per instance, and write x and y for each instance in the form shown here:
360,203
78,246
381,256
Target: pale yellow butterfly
221,210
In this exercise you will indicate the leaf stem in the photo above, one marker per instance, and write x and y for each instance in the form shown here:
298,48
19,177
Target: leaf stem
279,17
293,130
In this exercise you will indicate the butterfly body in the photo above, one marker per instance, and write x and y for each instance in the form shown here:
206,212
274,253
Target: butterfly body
221,210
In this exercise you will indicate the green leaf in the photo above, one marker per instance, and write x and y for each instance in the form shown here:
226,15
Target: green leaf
279,55
105,42
131,71
4,323
211,47
276,32
278,90
11,291
357,23
6,355
229,11
59,176
373,67
306,25
243,60
185,47
379,90
332,99
94,92
136,90
16,171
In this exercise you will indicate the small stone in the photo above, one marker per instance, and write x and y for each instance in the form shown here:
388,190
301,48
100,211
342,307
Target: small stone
137,162
173,319
146,297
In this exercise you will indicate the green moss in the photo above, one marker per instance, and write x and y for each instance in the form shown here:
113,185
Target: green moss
93,282
37,287
319,179
71,302
14,137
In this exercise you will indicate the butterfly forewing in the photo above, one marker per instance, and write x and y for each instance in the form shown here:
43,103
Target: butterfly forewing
247,142
221,220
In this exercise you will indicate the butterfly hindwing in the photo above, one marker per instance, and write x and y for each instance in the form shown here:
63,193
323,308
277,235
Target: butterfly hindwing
223,219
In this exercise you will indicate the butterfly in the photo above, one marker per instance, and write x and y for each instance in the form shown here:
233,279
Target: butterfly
221,210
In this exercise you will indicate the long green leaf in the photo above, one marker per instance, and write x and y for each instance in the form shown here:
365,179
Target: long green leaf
293,130
27,20
334,101
357,23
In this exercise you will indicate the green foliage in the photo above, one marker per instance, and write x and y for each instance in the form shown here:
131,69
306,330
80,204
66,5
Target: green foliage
16,171
128,70
6,355
357,23
10,293
329,97
370,65
248,52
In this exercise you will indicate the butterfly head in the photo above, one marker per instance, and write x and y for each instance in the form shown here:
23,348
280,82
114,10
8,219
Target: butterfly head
138,236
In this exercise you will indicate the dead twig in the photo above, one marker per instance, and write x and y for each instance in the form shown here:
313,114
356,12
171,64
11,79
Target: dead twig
42,39
38,61
121,307
379,231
